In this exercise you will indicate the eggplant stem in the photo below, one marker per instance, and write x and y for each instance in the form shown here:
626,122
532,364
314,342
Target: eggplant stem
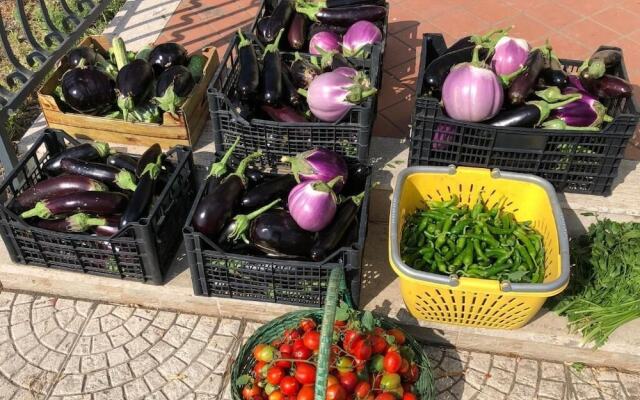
506,79
220,168
242,221
81,222
303,92
545,108
273,47
125,180
40,210
357,199
243,40
553,94
244,164
475,59
102,148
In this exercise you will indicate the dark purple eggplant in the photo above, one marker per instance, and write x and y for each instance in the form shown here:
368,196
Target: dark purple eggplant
88,90
553,74
283,113
436,72
351,3
87,151
261,28
73,56
346,16
524,84
109,227
598,64
534,113
87,202
319,27
269,6
462,43
101,172
216,208
140,201
75,223
166,55
135,86
358,174
329,238
254,175
150,156
278,20
303,71
173,87
55,187
244,109
237,228
272,73
268,191
122,161
249,74
297,33
218,169
290,93
608,87
277,234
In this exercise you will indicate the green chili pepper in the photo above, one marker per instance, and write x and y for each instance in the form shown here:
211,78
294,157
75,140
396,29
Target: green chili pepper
442,238
460,243
478,249
467,258
460,225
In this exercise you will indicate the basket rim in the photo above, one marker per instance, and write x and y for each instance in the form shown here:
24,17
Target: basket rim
453,281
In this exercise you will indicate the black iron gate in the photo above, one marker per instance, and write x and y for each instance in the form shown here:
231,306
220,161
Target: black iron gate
29,73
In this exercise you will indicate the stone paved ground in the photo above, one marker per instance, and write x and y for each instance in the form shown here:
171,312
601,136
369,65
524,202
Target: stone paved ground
78,350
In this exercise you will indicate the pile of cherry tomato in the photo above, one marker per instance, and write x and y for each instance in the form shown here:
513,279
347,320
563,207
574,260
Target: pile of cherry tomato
371,365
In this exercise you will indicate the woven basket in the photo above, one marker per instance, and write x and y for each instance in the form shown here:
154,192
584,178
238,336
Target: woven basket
423,388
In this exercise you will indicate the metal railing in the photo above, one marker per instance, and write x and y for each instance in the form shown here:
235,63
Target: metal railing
28,74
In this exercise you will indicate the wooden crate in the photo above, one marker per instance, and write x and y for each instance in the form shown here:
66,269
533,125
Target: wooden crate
185,130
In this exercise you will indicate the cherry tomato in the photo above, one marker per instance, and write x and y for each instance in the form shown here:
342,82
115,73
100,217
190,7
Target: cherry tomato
412,375
398,335
300,351
305,373
251,391
340,323
349,337
258,349
377,362
260,369
385,396
362,390
406,396
392,362
376,381
361,349
290,335
379,331
306,393
277,395
332,380
345,364
311,339
275,375
370,396
336,392
265,353
308,324
289,386
348,380
404,366
378,344
390,382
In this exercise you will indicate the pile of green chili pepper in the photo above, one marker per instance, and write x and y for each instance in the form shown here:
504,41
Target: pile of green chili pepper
448,237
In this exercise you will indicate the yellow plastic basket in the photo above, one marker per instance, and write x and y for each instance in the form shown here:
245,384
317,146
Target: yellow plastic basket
469,301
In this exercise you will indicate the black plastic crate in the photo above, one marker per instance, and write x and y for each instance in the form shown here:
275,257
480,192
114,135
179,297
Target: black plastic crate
349,137
140,252
573,161
383,25
259,278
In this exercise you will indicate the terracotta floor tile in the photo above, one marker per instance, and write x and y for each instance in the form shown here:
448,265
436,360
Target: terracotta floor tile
553,15
587,8
407,72
635,36
524,4
492,11
459,23
382,127
631,5
618,19
589,34
412,37
527,27
568,48
393,91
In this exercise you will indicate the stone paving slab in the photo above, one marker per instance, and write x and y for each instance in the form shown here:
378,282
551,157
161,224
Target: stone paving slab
53,348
